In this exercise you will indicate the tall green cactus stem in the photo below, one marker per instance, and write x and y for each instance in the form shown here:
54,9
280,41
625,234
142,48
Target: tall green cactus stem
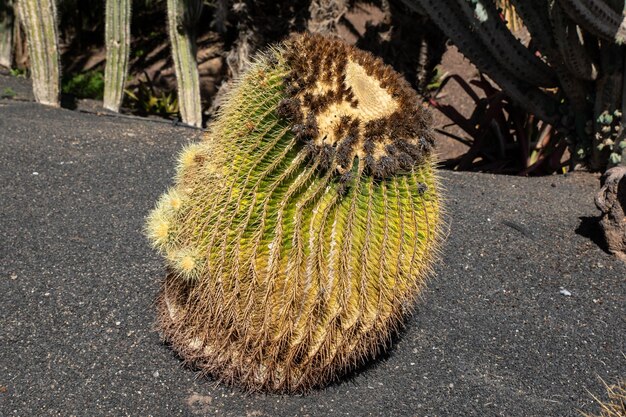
300,231
454,23
7,17
511,53
597,17
620,144
535,15
117,42
571,35
182,16
609,97
571,45
39,21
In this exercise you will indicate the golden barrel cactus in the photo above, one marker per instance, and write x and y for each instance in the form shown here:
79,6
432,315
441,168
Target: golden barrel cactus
300,230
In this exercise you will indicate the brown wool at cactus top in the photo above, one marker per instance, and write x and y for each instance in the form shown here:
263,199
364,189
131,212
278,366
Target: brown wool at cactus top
299,232
345,103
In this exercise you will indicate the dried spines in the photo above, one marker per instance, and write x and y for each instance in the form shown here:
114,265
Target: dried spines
389,111
613,403
362,313
299,275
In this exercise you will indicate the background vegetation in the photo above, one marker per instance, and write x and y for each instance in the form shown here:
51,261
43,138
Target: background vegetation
550,96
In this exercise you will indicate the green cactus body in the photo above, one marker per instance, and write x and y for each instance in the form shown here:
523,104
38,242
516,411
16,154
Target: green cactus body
39,20
117,37
300,231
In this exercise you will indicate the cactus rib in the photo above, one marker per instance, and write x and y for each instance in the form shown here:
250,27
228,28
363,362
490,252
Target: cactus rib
598,18
535,14
511,53
117,41
301,229
446,16
570,43
39,21
621,142
182,16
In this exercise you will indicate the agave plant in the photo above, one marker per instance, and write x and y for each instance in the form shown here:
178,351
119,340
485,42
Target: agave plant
300,230
570,76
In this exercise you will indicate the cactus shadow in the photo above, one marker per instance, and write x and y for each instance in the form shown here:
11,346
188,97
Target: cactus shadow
590,228
69,101
370,363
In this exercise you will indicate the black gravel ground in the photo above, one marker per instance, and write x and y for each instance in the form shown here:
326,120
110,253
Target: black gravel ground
493,336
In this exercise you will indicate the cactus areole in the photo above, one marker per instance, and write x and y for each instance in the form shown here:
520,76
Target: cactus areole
301,229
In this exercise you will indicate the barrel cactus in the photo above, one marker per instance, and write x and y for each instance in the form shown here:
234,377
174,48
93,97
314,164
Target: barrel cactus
301,229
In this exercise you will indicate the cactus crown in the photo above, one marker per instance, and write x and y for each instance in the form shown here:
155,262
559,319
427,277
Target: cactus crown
345,103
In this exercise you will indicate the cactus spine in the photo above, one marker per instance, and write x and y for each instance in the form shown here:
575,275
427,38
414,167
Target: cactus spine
117,41
182,16
7,17
39,20
300,231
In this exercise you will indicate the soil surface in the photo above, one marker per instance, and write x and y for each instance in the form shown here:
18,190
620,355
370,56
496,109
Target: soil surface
524,313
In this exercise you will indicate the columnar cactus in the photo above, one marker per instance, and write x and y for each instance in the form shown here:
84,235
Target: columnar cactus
39,21
182,16
7,18
301,229
117,42
583,54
